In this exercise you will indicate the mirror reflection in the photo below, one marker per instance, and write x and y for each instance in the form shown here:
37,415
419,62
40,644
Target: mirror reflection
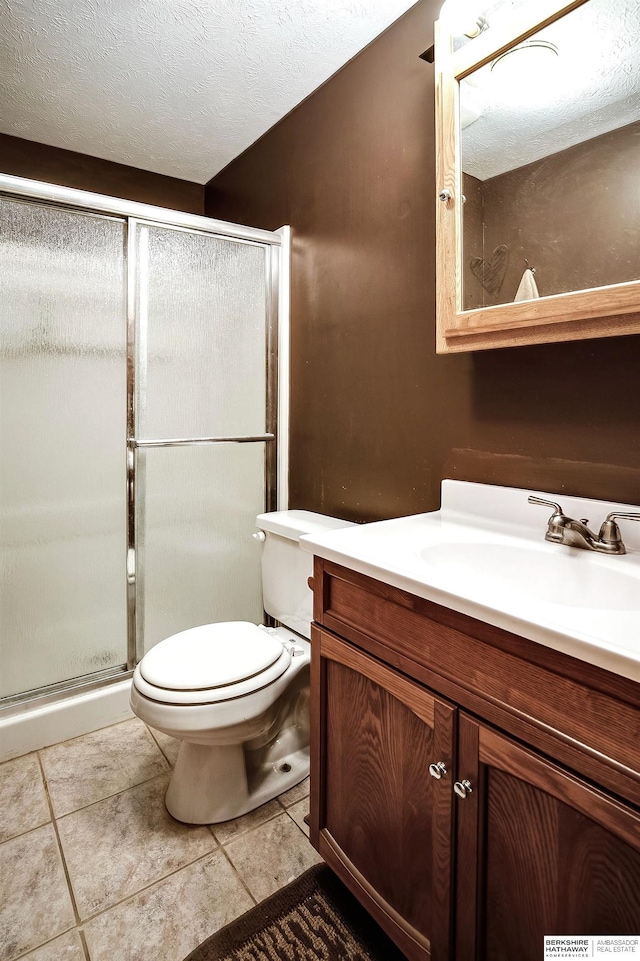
550,145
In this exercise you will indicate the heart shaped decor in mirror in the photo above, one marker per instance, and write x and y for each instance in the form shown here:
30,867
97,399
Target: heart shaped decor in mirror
491,273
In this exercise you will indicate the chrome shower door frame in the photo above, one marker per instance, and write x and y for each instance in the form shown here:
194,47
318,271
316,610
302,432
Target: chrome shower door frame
136,215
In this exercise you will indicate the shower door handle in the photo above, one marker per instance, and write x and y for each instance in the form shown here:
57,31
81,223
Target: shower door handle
196,441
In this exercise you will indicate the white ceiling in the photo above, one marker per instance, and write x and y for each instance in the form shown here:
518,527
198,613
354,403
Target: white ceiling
179,87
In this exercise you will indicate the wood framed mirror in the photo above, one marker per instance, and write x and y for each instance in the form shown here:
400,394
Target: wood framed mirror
538,173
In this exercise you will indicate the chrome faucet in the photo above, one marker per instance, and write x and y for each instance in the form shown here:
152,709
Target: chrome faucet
566,530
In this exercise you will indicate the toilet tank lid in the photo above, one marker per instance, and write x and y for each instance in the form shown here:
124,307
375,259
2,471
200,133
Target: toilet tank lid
294,524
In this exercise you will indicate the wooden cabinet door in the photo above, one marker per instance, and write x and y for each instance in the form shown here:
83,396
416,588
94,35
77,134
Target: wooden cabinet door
540,852
377,816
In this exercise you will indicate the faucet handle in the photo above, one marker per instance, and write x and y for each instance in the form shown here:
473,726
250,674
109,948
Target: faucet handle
540,500
626,516
610,532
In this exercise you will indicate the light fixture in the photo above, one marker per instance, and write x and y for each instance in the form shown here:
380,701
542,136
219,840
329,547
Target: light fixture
461,18
526,74
471,105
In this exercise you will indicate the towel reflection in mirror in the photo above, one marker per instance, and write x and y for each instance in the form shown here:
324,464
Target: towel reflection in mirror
527,288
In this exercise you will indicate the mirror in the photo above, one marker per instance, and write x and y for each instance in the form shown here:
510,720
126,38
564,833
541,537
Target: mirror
550,153
538,166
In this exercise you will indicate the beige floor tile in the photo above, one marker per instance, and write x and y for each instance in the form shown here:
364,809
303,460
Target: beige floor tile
167,921
168,745
100,764
67,948
271,856
295,794
34,899
298,812
121,844
228,830
23,802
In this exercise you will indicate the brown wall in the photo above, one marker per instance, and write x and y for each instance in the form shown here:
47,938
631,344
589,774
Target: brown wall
574,215
377,418
25,158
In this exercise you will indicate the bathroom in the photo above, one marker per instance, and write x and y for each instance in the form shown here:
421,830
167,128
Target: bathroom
378,419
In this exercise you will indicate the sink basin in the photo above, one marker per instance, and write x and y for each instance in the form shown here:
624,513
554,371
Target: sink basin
483,554
558,575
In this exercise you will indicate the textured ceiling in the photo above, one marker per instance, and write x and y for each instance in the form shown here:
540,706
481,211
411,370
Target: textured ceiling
179,87
591,87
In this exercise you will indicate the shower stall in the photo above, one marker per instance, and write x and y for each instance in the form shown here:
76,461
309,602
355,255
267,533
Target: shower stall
138,435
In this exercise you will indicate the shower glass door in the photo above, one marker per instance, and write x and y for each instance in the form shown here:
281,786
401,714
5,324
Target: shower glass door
203,428
137,431
62,431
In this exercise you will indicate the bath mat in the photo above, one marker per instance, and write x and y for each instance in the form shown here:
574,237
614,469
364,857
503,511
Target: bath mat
314,917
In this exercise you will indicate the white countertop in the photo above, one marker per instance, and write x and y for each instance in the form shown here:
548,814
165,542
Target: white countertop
484,554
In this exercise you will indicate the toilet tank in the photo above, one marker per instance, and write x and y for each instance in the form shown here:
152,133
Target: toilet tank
286,567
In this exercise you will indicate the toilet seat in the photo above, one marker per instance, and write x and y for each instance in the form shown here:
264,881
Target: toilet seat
210,663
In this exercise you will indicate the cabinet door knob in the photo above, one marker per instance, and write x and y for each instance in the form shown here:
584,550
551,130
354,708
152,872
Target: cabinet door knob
445,196
462,788
437,770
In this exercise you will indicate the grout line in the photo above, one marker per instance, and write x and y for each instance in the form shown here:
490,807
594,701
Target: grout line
146,887
33,827
127,897
44,944
291,817
131,787
237,873
85,946
293,803
302,798
82,922
24,833
218,846
68,740
59,842
299,828
58,817
159,746
150,884
254,827
209,827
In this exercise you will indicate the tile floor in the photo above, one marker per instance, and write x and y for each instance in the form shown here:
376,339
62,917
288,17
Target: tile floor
93,868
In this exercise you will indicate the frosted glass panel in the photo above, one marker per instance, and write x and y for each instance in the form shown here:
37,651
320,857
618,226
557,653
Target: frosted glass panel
202,336
197,561
62,429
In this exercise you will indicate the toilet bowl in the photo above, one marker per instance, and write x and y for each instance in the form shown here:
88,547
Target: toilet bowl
237,694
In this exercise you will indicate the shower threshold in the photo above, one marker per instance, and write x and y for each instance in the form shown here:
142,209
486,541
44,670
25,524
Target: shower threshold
28,724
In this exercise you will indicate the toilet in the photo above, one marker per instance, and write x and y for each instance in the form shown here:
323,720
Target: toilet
237,694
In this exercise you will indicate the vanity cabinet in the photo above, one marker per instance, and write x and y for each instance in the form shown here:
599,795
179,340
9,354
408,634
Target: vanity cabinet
388,825
541,834
540,851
